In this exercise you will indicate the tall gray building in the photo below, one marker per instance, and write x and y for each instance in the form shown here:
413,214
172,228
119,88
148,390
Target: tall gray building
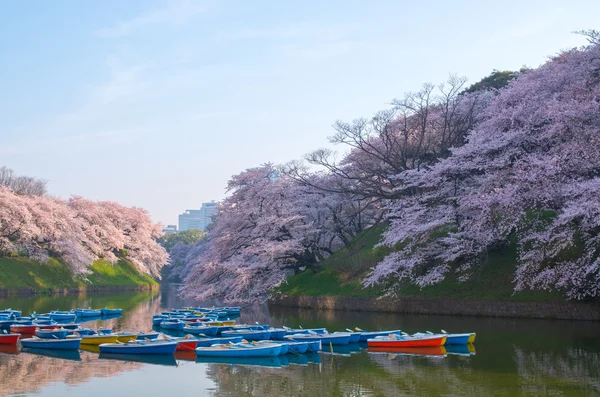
198,219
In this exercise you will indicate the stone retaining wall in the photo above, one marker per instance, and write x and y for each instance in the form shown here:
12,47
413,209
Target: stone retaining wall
548,310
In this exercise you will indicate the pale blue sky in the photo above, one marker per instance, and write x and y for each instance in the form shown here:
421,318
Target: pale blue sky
157,103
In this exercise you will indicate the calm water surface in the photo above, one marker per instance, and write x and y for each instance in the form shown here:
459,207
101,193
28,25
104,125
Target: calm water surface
511,358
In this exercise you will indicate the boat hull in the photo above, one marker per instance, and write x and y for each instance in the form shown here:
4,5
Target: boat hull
99,339
9,339
248,335
23,329
188,345
458,339
227,351
51,334
434,341
55,344
215,341
139,348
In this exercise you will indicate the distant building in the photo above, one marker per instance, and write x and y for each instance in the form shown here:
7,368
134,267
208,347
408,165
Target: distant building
198,219
170,229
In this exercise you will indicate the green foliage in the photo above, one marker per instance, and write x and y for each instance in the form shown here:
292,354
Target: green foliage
188,237
341,275
25,273
497,79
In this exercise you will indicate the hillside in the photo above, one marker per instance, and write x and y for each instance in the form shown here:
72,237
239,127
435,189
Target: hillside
341,275
23,273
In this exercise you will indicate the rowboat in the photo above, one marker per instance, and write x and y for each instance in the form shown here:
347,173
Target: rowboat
95,339
58,344
23,329
62,316
51,333
9,339
159,318
185,344
147,335
69,325
454,339
175,325
354,336
197,330
10,312
125,336
296,331
81,331
472,337
87,313
366,335
284,345
239,350
215,341
6,322
326,339
248,334
298,347
47,326
110,312
139,347
407,341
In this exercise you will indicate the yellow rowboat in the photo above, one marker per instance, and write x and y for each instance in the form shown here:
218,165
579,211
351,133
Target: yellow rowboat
126,337
471,338
96,339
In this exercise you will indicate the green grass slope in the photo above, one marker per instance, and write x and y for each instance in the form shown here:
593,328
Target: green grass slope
25,273
342,273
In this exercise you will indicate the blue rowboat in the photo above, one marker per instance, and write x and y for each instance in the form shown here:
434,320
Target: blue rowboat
62,316
297,331
298,347
206,331
80,331
239,350
110,312
83,313
326,339
11,312
159,318
207,342
5,324
139,347
69,325
458,339
249,334
285,348
354,336
147,335
57,344
365,335
174,325
51,333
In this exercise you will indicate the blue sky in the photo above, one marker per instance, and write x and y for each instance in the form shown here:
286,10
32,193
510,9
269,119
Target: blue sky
157,103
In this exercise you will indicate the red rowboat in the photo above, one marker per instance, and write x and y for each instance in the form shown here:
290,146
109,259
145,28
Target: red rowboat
408,341
23,329
186,345
9,339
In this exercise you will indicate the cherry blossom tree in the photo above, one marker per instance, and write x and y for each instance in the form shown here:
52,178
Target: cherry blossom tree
529,171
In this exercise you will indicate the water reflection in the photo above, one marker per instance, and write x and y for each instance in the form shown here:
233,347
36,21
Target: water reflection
513,357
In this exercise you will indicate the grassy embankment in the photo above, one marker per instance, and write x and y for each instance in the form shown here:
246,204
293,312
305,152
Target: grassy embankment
24,273
341,275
